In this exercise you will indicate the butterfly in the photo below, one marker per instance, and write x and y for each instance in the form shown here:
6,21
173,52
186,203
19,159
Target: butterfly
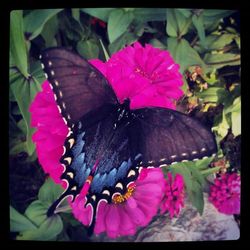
108,143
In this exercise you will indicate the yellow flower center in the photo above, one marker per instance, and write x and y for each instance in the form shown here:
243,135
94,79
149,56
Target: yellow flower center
120,198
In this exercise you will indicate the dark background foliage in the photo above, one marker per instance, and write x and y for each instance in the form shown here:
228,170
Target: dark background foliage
206,44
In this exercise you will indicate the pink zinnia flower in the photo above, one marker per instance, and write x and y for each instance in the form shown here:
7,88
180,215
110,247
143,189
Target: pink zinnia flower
124,218
225,193
147,76
174,195
51,132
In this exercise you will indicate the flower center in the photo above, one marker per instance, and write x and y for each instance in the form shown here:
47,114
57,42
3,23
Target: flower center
120,198
151,77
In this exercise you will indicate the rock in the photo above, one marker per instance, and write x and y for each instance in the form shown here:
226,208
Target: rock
189,226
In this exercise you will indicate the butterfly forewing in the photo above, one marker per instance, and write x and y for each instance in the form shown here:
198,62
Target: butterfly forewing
78,86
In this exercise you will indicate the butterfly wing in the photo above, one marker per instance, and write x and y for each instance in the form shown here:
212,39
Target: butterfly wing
165,136
94,141
78,86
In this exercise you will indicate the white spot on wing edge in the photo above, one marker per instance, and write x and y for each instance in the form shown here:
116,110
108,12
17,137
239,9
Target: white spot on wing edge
69,133
175,162
119,185
65,121
42,65
131,173
106,192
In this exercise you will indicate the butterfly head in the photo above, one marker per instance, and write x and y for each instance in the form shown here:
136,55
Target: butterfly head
124,114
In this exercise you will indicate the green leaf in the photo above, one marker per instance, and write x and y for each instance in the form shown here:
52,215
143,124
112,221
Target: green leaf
88,48
17,42
19,222
158,44
196,175
76,14
37,72
24,92
18,147
237,40
37,212
199,25
72,29
217,42
101,13
203,163
184,54
48,230
49,31
236,117
36,19
213,13
222,127
209,171
185,12
125,39
213,17
220,60
150,14
211,94
196,197
172,27
118,22
49,192
236,123
177,23
234,107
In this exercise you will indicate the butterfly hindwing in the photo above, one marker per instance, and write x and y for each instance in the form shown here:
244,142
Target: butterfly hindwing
78,86
167,136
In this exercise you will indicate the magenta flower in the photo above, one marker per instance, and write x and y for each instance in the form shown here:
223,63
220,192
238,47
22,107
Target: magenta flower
225,193
138,208
147,76
51,132
174,195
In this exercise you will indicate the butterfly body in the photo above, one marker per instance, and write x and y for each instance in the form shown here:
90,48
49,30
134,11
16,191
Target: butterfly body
108,143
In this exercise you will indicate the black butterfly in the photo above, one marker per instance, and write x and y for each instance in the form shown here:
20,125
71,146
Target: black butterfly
108,142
